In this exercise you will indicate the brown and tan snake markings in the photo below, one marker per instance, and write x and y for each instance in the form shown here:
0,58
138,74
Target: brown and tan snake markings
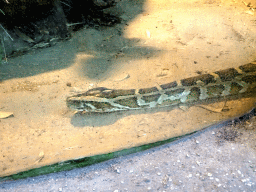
221,84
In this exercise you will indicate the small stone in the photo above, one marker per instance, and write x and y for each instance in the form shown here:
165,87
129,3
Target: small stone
183,108
209,174
249,12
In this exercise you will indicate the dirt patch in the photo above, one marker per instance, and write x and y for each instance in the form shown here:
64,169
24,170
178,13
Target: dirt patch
157,42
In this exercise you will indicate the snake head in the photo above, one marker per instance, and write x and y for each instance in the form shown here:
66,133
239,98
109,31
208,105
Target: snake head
92,100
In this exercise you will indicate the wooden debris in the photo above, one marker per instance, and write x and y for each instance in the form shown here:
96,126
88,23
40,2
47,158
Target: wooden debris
5,114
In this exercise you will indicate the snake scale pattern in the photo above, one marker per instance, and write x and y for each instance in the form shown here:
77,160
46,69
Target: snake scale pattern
232,82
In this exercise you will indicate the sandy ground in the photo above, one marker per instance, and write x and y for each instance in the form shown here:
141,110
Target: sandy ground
221,158
157,42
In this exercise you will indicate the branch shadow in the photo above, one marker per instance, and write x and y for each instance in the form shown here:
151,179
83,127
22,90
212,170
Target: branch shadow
65,54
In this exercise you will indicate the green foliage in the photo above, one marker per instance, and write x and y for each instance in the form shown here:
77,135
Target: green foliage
1,48
1,51
2,11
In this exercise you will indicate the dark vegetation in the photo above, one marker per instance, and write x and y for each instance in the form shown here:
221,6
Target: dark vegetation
33,24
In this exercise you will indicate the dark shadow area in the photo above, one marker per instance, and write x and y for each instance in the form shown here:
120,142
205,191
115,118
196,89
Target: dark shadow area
64,54
89,13
99,66
45,60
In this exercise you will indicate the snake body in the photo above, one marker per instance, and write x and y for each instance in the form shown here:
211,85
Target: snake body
232,82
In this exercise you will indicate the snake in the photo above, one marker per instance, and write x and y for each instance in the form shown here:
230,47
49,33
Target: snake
223,84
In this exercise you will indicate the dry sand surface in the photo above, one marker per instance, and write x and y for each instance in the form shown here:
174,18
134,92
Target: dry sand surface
157,42
219,158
